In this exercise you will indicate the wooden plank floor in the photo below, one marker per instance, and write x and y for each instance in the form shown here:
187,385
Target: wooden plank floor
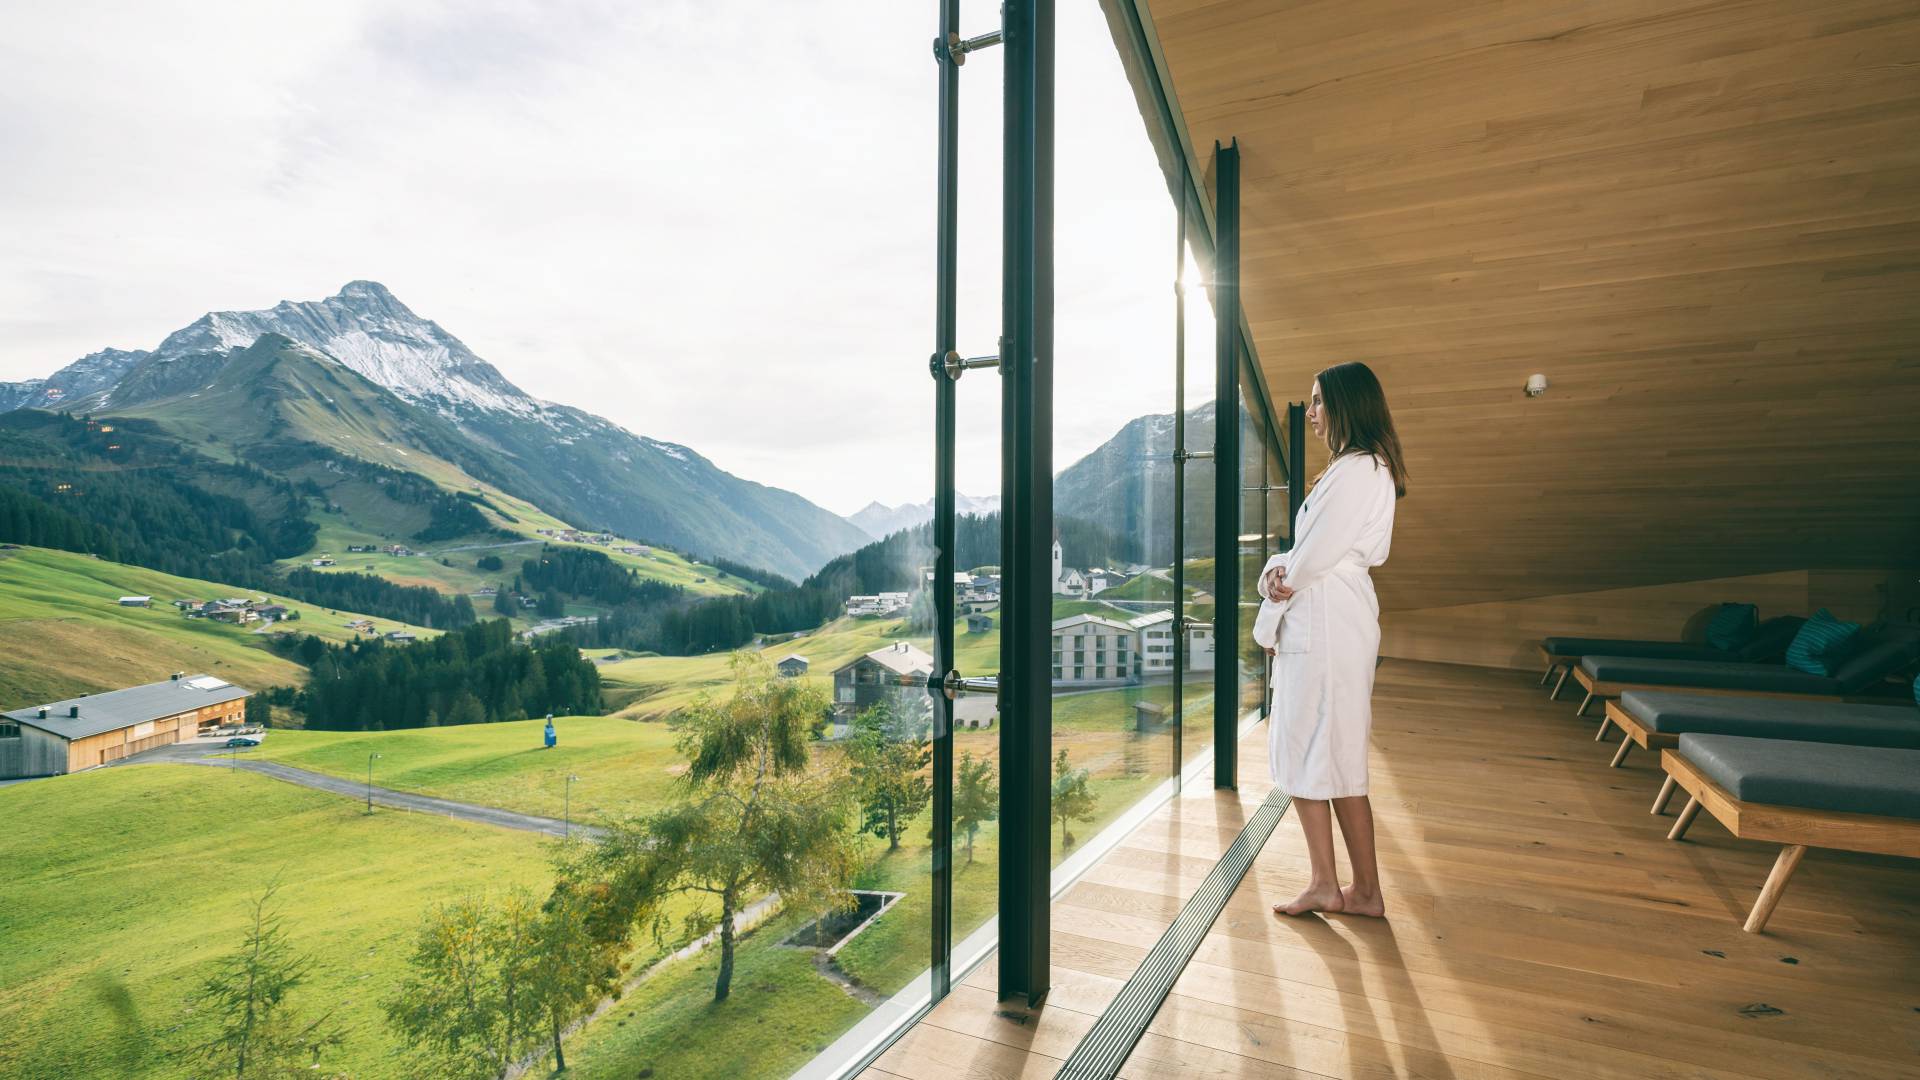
1540,925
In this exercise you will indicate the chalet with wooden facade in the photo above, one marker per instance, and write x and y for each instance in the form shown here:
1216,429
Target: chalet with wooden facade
898,671
97,729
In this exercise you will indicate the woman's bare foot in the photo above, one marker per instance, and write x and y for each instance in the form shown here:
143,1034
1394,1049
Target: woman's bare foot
1355,902
1327,899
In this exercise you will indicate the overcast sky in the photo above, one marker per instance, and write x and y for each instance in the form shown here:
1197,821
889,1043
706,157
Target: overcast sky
709,222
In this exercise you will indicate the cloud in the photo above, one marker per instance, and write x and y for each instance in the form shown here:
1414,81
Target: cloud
709,222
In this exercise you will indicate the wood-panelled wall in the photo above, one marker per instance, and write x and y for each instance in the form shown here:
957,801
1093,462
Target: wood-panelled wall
113,745
1701,221
1507,633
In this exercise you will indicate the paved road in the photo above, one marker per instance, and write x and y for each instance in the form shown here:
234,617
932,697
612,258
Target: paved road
214,755
479,547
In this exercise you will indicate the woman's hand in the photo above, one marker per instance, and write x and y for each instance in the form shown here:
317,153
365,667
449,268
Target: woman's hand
1277,590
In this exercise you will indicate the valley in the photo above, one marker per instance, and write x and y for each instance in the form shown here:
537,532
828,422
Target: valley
355,463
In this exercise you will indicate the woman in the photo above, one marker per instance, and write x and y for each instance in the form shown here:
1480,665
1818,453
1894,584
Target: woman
1320,621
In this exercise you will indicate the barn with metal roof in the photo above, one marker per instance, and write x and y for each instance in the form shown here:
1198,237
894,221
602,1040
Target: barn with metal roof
96,729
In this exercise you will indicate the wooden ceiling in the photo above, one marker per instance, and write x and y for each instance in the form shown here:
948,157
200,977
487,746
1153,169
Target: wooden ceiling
1700,221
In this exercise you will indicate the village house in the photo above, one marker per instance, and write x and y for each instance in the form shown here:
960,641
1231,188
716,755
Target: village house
792,665
1094,650
982,595
324,560
898,673
885,603
1156,642
979,624
135,601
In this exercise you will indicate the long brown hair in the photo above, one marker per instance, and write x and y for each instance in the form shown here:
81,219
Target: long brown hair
1358,421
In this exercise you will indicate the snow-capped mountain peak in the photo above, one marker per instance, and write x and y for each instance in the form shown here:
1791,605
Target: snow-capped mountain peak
90,374
879,520
367,329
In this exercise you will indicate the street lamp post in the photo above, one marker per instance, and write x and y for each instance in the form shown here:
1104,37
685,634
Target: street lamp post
566,809
370,758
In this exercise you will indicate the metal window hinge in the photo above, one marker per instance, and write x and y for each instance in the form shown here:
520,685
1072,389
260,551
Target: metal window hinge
955,48
956,687
952,365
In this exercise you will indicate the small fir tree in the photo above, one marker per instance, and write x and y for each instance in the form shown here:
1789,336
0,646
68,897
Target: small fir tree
976,798
1072,797
261,1034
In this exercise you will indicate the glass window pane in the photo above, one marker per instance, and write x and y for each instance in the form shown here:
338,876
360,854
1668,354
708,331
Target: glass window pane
1115,240
1197,555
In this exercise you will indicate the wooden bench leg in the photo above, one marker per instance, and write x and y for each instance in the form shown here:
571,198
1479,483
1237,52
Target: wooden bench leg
1560,682
1605,723
1687,814
1547,674
1626,744
1584,702
1666,792
1783,868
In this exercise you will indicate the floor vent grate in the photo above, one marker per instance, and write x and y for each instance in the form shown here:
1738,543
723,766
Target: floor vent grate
1112,1037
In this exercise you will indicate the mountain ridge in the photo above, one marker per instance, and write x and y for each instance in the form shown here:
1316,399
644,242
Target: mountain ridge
573,464
880,520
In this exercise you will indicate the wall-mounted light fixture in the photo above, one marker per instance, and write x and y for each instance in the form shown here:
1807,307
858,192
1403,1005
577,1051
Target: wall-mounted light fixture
1536,385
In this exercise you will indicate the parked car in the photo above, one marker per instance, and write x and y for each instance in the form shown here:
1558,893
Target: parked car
242,740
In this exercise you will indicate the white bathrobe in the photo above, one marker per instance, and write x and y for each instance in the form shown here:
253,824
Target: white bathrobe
1326,638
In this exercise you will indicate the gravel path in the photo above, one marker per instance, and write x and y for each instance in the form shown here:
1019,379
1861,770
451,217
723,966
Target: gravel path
214,756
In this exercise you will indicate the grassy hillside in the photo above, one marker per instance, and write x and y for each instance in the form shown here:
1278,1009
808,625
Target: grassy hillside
463,576
279,406
623,766
124,885
650,687
63,632
653,686
782,1011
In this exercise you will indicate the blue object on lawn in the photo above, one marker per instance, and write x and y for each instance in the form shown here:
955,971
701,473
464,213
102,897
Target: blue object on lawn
551,737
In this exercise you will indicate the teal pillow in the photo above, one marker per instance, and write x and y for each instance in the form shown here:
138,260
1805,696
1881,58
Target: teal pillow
1916,689
1821,644
1732,625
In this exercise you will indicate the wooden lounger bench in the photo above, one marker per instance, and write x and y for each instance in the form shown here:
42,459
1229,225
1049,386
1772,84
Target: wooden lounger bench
1553,652
1768,642
1656,720
1598,686
1883,649
1713,767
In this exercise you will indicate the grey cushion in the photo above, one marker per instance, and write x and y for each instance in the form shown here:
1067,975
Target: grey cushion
1882,650
1815,776
1774,718
1575,647
1766,678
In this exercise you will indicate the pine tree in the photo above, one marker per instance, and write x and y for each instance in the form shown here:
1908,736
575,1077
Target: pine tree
1072,797
261,1034
976,798
889,759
